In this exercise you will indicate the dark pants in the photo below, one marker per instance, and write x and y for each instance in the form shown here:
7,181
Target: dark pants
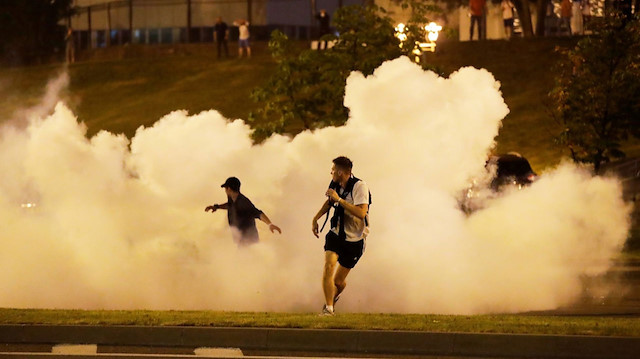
322,45
475,20
223,43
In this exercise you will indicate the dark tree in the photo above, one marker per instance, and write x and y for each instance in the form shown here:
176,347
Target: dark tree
31,31
596,98
306,90
541,11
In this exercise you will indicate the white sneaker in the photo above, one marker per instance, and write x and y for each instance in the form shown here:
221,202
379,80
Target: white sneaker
326,311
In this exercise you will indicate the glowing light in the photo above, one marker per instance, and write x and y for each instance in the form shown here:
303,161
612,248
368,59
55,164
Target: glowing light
432,30
28,205
433,27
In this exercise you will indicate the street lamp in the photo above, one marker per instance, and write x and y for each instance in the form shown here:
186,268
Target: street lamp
400,34
432,30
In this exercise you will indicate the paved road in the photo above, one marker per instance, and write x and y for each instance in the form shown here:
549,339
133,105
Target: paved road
328,343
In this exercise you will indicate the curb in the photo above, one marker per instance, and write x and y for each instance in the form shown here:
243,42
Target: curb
328,341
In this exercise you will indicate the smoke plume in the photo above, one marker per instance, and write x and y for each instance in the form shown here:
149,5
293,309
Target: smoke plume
108,222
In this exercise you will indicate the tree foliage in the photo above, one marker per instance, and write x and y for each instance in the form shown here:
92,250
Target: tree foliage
306,91
30,31
596,98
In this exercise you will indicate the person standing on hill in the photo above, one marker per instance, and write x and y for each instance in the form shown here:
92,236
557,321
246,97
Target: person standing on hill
565,15
243,37
70,46
507,17
476,8
221,33
324,21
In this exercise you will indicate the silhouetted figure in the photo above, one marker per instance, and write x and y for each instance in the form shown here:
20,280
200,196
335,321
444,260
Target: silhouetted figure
241,214
70,46
565,16
324,21
221,33
476,7
550,20
243,37
507,17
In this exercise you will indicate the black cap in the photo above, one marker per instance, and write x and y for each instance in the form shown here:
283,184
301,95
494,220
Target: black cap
233,183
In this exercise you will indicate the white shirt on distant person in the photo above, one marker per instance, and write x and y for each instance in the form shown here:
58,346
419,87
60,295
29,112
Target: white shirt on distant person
243,28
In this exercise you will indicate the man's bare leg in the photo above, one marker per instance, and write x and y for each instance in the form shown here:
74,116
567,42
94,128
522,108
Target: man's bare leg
340,280
328,277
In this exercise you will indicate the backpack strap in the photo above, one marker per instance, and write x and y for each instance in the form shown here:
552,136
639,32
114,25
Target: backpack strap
338,213
334,186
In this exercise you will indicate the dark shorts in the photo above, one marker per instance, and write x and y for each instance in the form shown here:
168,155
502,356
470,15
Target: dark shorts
349,253
508,22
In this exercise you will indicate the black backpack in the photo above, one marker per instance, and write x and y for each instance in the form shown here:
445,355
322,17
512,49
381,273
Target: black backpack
338,213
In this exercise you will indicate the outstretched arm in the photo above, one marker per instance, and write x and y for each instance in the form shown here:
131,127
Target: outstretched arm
216,207
272,227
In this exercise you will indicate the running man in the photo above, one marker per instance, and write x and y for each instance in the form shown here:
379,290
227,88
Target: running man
345,242
241,214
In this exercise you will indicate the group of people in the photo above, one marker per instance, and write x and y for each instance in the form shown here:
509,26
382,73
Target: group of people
221,37
345,241
576,11
477,7
221,34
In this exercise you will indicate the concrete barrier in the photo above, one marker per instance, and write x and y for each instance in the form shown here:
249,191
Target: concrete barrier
328,341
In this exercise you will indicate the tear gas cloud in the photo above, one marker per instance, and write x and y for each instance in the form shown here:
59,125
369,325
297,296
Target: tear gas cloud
120,223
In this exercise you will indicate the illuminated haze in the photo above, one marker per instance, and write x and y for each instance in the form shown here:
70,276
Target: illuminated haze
120,223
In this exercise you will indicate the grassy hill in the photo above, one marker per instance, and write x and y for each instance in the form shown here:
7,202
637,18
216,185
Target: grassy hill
120,89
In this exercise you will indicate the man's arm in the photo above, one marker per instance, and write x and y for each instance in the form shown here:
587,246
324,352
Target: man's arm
314,224
359,210
272,227
216,207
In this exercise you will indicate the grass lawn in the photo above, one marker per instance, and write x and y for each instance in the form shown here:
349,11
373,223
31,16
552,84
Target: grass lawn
121,95
519,324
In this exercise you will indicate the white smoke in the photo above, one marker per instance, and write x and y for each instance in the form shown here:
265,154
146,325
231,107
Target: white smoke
121,224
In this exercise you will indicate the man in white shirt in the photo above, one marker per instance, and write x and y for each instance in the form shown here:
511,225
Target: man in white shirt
345,242
243,37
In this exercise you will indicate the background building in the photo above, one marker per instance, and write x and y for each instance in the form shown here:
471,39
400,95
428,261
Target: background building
101,23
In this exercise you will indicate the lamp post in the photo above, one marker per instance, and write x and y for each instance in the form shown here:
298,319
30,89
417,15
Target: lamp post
428,44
